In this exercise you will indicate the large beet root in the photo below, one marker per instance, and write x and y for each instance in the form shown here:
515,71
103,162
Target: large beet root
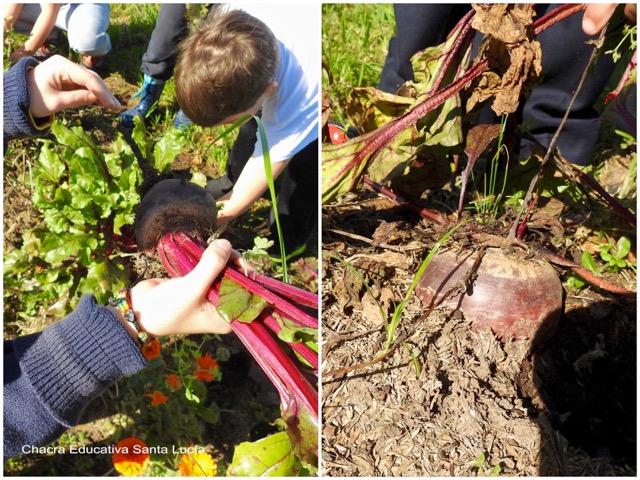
513,296
174,205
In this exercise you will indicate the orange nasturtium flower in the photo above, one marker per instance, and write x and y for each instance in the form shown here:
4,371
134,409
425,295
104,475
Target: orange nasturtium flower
151,350
157,398
199,464
131,456
173,381
206,368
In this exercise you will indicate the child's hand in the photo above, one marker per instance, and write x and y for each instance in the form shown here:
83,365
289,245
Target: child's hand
19,53
179,305
58,83
596,15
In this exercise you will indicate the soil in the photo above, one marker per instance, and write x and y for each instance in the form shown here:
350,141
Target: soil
468,405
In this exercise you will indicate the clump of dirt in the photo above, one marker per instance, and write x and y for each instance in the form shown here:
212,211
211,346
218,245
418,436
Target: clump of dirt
473,406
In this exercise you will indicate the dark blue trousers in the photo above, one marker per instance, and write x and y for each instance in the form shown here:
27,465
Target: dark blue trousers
564,57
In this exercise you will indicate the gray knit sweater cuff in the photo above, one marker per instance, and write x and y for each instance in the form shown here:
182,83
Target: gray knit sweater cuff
17,122
73,360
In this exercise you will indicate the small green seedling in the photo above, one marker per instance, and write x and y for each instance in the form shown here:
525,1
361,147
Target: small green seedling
480,462
259,249
615,255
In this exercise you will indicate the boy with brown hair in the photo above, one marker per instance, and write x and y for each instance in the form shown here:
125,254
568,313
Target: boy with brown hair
249,59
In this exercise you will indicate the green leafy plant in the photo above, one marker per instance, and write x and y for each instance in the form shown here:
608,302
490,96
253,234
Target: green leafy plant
490,202
166,401
259,249
86,199
627,42
615,256
484,469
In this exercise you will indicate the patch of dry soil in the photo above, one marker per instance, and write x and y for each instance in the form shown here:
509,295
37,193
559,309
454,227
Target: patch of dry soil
476,406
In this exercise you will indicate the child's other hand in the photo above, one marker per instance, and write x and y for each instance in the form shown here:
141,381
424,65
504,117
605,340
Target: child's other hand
596,15
19,53
179,305
58,83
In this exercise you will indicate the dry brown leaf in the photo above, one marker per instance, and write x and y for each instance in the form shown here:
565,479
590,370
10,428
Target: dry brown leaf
514,55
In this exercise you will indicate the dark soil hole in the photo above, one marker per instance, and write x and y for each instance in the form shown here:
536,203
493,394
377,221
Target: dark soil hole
247,401
586,376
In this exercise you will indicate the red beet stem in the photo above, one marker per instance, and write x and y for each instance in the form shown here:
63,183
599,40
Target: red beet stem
276,363
280,369
288,310
295,294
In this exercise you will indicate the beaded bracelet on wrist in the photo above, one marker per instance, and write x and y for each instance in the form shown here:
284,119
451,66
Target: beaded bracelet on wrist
122,302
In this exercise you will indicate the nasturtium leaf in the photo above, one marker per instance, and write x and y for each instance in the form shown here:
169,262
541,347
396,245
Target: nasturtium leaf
208,414
268,457
236,303
192,397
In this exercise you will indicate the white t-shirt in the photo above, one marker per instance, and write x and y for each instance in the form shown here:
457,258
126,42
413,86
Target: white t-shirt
290,115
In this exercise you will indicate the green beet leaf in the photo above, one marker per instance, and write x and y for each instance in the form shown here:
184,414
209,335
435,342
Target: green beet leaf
64,246
303,434
293,333
103,278
51,167
271,456
392,144
167,149
236,303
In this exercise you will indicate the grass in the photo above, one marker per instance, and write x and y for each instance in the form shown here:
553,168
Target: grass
355,38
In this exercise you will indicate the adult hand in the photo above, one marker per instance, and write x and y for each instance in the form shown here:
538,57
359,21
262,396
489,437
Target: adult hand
179,305
58,83
596,16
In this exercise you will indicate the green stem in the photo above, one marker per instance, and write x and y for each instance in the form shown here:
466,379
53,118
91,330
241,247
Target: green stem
272,192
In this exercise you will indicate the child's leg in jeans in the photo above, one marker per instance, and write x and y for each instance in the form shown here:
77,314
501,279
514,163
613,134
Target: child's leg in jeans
86,25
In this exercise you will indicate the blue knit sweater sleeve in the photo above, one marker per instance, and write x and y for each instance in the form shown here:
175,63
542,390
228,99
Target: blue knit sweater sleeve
16,116
51,375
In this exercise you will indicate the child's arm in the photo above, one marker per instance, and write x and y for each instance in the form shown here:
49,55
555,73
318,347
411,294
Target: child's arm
11,14
251,184
43,26
40,31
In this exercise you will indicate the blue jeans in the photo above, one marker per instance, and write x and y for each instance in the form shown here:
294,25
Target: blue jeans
85,23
